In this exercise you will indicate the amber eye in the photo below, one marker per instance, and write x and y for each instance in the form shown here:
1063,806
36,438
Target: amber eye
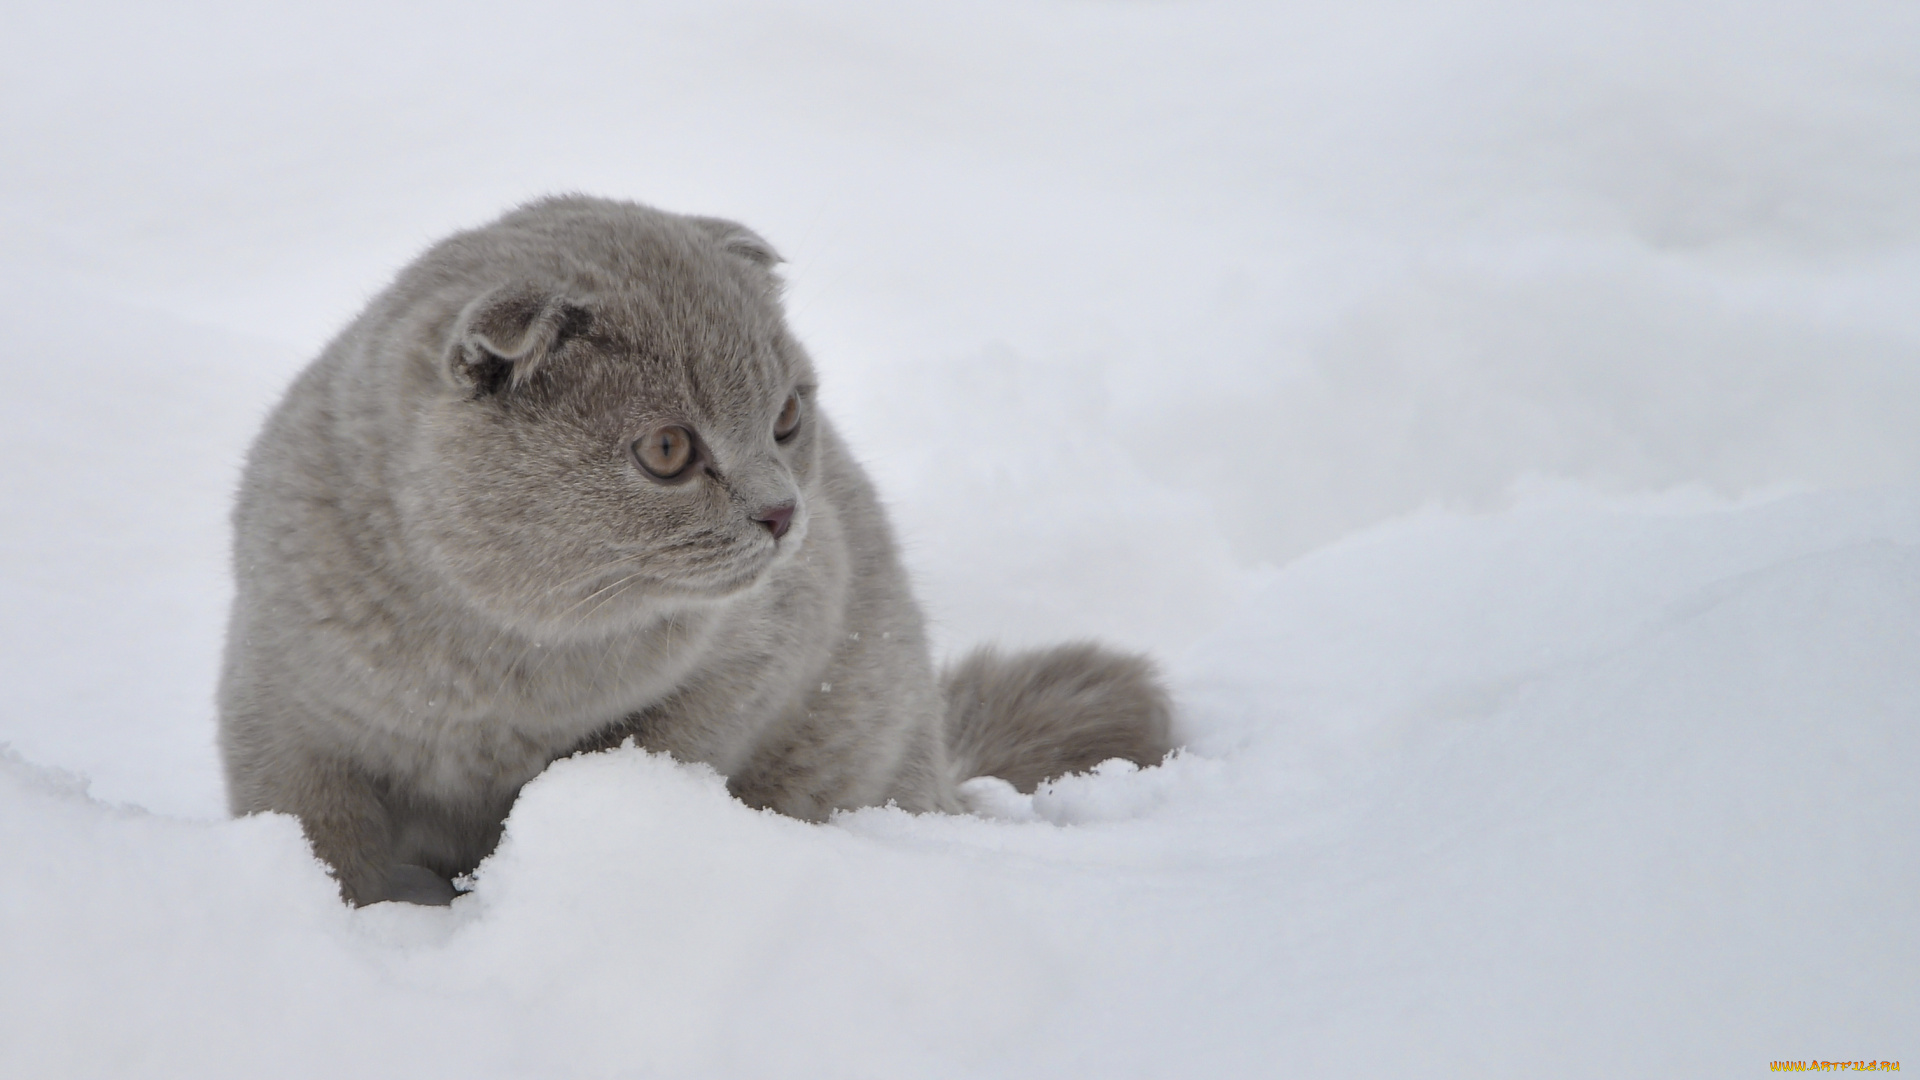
665,453
788,421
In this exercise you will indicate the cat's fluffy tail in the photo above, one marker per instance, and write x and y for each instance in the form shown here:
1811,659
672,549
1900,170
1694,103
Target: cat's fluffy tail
1032,715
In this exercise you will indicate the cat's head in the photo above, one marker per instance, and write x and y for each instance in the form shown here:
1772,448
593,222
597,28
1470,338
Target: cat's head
619,419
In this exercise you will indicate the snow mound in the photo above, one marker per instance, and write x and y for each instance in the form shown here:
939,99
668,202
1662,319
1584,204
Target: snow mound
1563,789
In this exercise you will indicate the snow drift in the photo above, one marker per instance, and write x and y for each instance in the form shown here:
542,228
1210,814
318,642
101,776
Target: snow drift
1566,789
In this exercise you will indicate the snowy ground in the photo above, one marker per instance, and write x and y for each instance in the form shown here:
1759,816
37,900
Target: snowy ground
1499,417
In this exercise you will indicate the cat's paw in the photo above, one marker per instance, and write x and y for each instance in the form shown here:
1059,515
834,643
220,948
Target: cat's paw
411,884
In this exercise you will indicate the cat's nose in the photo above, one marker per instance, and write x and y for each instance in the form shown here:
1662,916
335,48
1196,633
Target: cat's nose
776,519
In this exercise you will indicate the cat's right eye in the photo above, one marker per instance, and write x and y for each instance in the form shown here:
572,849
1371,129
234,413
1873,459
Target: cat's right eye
788,421
665,452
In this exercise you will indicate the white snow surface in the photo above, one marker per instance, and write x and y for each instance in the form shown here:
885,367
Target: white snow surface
1498,417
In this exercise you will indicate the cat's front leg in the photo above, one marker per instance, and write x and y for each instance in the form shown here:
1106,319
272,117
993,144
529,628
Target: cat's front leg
345,819
411,883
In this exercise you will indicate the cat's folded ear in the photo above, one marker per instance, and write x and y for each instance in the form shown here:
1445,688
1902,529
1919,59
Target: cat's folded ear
739,240
504,336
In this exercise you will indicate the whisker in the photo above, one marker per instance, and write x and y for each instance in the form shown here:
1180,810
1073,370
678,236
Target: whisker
619,588
612,591
525,607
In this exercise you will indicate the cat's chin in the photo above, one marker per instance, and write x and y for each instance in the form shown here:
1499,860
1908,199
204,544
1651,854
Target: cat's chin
620,599
716,585
746,579
752,568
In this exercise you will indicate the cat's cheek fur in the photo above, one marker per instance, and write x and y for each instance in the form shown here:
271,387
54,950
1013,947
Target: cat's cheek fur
449,571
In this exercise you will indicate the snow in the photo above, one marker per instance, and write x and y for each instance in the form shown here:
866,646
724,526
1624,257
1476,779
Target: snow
1497,417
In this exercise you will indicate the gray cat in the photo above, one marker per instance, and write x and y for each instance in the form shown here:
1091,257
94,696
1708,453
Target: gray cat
567,482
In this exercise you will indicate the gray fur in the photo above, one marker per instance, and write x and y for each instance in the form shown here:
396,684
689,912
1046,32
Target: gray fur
451,571
1054,711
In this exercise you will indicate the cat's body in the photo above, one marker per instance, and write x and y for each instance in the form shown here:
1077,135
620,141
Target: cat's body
565,482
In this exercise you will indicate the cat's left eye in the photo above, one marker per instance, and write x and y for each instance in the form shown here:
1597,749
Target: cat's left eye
666,453
788,421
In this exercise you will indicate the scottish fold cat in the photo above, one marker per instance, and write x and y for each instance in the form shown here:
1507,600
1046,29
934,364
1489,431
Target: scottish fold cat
567,482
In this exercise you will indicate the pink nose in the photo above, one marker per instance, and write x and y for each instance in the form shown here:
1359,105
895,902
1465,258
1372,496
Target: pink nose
776,519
